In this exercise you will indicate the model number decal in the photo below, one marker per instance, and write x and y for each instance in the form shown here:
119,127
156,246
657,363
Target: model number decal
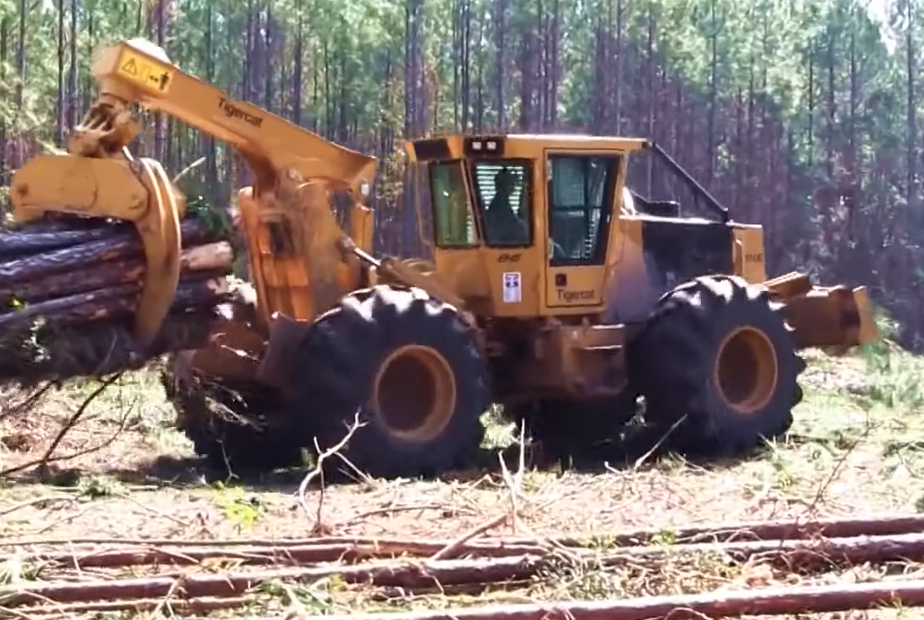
754,258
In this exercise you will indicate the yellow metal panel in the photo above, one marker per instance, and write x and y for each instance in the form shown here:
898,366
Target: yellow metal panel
750,241
139,71
584,287
515,280
144,72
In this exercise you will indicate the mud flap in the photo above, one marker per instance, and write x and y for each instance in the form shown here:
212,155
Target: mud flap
834,318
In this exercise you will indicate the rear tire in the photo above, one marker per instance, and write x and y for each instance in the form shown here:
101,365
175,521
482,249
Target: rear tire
411,368
234,425
720,352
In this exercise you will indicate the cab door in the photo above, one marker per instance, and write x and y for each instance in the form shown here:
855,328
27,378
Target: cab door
579,206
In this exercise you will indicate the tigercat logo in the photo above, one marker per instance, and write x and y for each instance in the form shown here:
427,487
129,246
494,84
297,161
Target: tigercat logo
232,111
572,296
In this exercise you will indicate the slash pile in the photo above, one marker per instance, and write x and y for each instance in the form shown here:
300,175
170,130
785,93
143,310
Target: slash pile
69,287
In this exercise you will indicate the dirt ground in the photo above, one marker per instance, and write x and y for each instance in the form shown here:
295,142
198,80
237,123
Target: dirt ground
857,448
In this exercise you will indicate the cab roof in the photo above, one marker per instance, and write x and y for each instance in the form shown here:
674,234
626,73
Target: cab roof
528,146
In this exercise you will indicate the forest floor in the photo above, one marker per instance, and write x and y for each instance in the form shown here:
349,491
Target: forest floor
857,448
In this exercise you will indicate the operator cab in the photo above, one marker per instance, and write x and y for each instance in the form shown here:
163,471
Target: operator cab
539,211
498,173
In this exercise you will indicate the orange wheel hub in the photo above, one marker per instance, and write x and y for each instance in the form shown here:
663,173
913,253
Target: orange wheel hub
414,393
746,372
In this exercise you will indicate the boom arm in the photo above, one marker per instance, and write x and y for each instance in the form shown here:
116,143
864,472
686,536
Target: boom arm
292,234
139,72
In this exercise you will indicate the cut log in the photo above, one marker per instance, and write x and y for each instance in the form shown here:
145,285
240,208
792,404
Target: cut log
121,245
97,348
116,301
722,604
69,288
429,576
175,605
412,575
801,555
300,555
211,257
25,241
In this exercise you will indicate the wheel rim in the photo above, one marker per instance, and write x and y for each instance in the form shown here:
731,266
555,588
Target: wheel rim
414,393
746,372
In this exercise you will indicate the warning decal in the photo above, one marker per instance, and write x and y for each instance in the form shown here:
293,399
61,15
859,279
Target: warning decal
512,287
149,75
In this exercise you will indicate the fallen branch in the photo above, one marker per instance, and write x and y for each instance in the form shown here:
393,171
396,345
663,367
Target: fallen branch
769,601
49,456
318,472
8,409
43,500
454,547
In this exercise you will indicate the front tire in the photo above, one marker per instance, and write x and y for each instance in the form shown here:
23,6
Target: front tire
720,353
409,366
231,425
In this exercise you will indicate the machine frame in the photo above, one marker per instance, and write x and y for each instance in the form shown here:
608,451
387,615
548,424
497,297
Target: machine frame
564,332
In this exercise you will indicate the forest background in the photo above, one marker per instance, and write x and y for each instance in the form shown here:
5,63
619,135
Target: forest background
804,116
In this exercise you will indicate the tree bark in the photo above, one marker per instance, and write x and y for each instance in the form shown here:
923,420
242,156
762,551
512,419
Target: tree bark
211,257
120,243
764,601
112,302
69,289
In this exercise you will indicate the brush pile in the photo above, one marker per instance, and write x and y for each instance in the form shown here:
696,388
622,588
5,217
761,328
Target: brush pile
69,288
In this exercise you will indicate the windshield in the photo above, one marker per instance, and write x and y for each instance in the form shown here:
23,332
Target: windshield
453,224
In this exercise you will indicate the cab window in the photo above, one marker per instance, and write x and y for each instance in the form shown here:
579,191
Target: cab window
580,197
453,224
502,195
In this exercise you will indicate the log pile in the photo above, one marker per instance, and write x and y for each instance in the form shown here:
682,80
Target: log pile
93,575
69,287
